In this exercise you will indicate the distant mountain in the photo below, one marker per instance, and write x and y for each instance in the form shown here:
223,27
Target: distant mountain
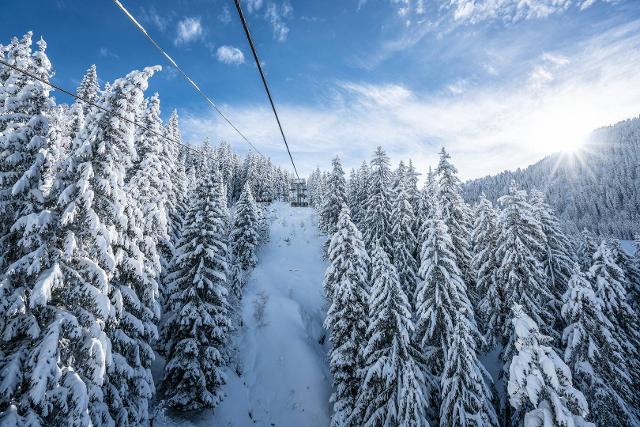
597,188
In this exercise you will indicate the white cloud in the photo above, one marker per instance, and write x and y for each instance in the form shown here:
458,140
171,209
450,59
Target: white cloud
225,15
276,15
103,51
458,87
555,59
254,5
230,55
492,127
152,16
189,30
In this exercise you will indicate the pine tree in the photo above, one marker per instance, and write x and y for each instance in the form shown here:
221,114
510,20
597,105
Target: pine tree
347,290
483,240
441,294
425,212
520,276
362,194
23,140
148,176
557,259
195,332
133,294
376,223
175,181
466,398
335,198
404,242
89,88
631,269
609,285
411,184
245,231
129,385
388,357
540,383
348,259
595,356
455,213
586,247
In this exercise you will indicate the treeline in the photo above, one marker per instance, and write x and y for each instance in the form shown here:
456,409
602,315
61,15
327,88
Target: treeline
428,295
115,238
595,188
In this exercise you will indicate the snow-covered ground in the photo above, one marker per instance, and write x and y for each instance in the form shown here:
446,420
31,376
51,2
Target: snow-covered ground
285,379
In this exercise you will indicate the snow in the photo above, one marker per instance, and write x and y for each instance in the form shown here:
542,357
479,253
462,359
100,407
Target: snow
628,246
285,377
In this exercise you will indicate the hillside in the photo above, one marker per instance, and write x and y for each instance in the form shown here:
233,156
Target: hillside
594,189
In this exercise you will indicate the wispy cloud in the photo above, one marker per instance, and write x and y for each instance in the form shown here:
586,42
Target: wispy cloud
103,51
495,126
230,55
254,5
225,15
151,16
188,30
276,16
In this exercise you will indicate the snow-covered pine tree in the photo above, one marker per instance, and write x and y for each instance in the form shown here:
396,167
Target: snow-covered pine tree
225,164
455,214
609,285
484,263
360,194
540,384
631,269
353,185
466,397
520,276
313,186
440,295
585,248
195,332
176,192
595,356
30,269
403,241
129,385
112,154
411,183
89,88
557,258
348,258
426,199
148,176
388,356
24,128
347,290
335,198
376,223
244,235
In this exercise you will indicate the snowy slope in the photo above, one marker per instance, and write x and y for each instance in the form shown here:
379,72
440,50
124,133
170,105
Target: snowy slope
285,379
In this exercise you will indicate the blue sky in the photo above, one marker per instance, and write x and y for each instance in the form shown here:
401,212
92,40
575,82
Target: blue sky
500,83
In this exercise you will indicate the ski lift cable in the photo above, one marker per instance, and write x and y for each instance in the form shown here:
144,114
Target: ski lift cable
137,24
245,26
100,107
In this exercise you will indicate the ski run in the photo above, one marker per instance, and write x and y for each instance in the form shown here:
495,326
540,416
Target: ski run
284,376
144,281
